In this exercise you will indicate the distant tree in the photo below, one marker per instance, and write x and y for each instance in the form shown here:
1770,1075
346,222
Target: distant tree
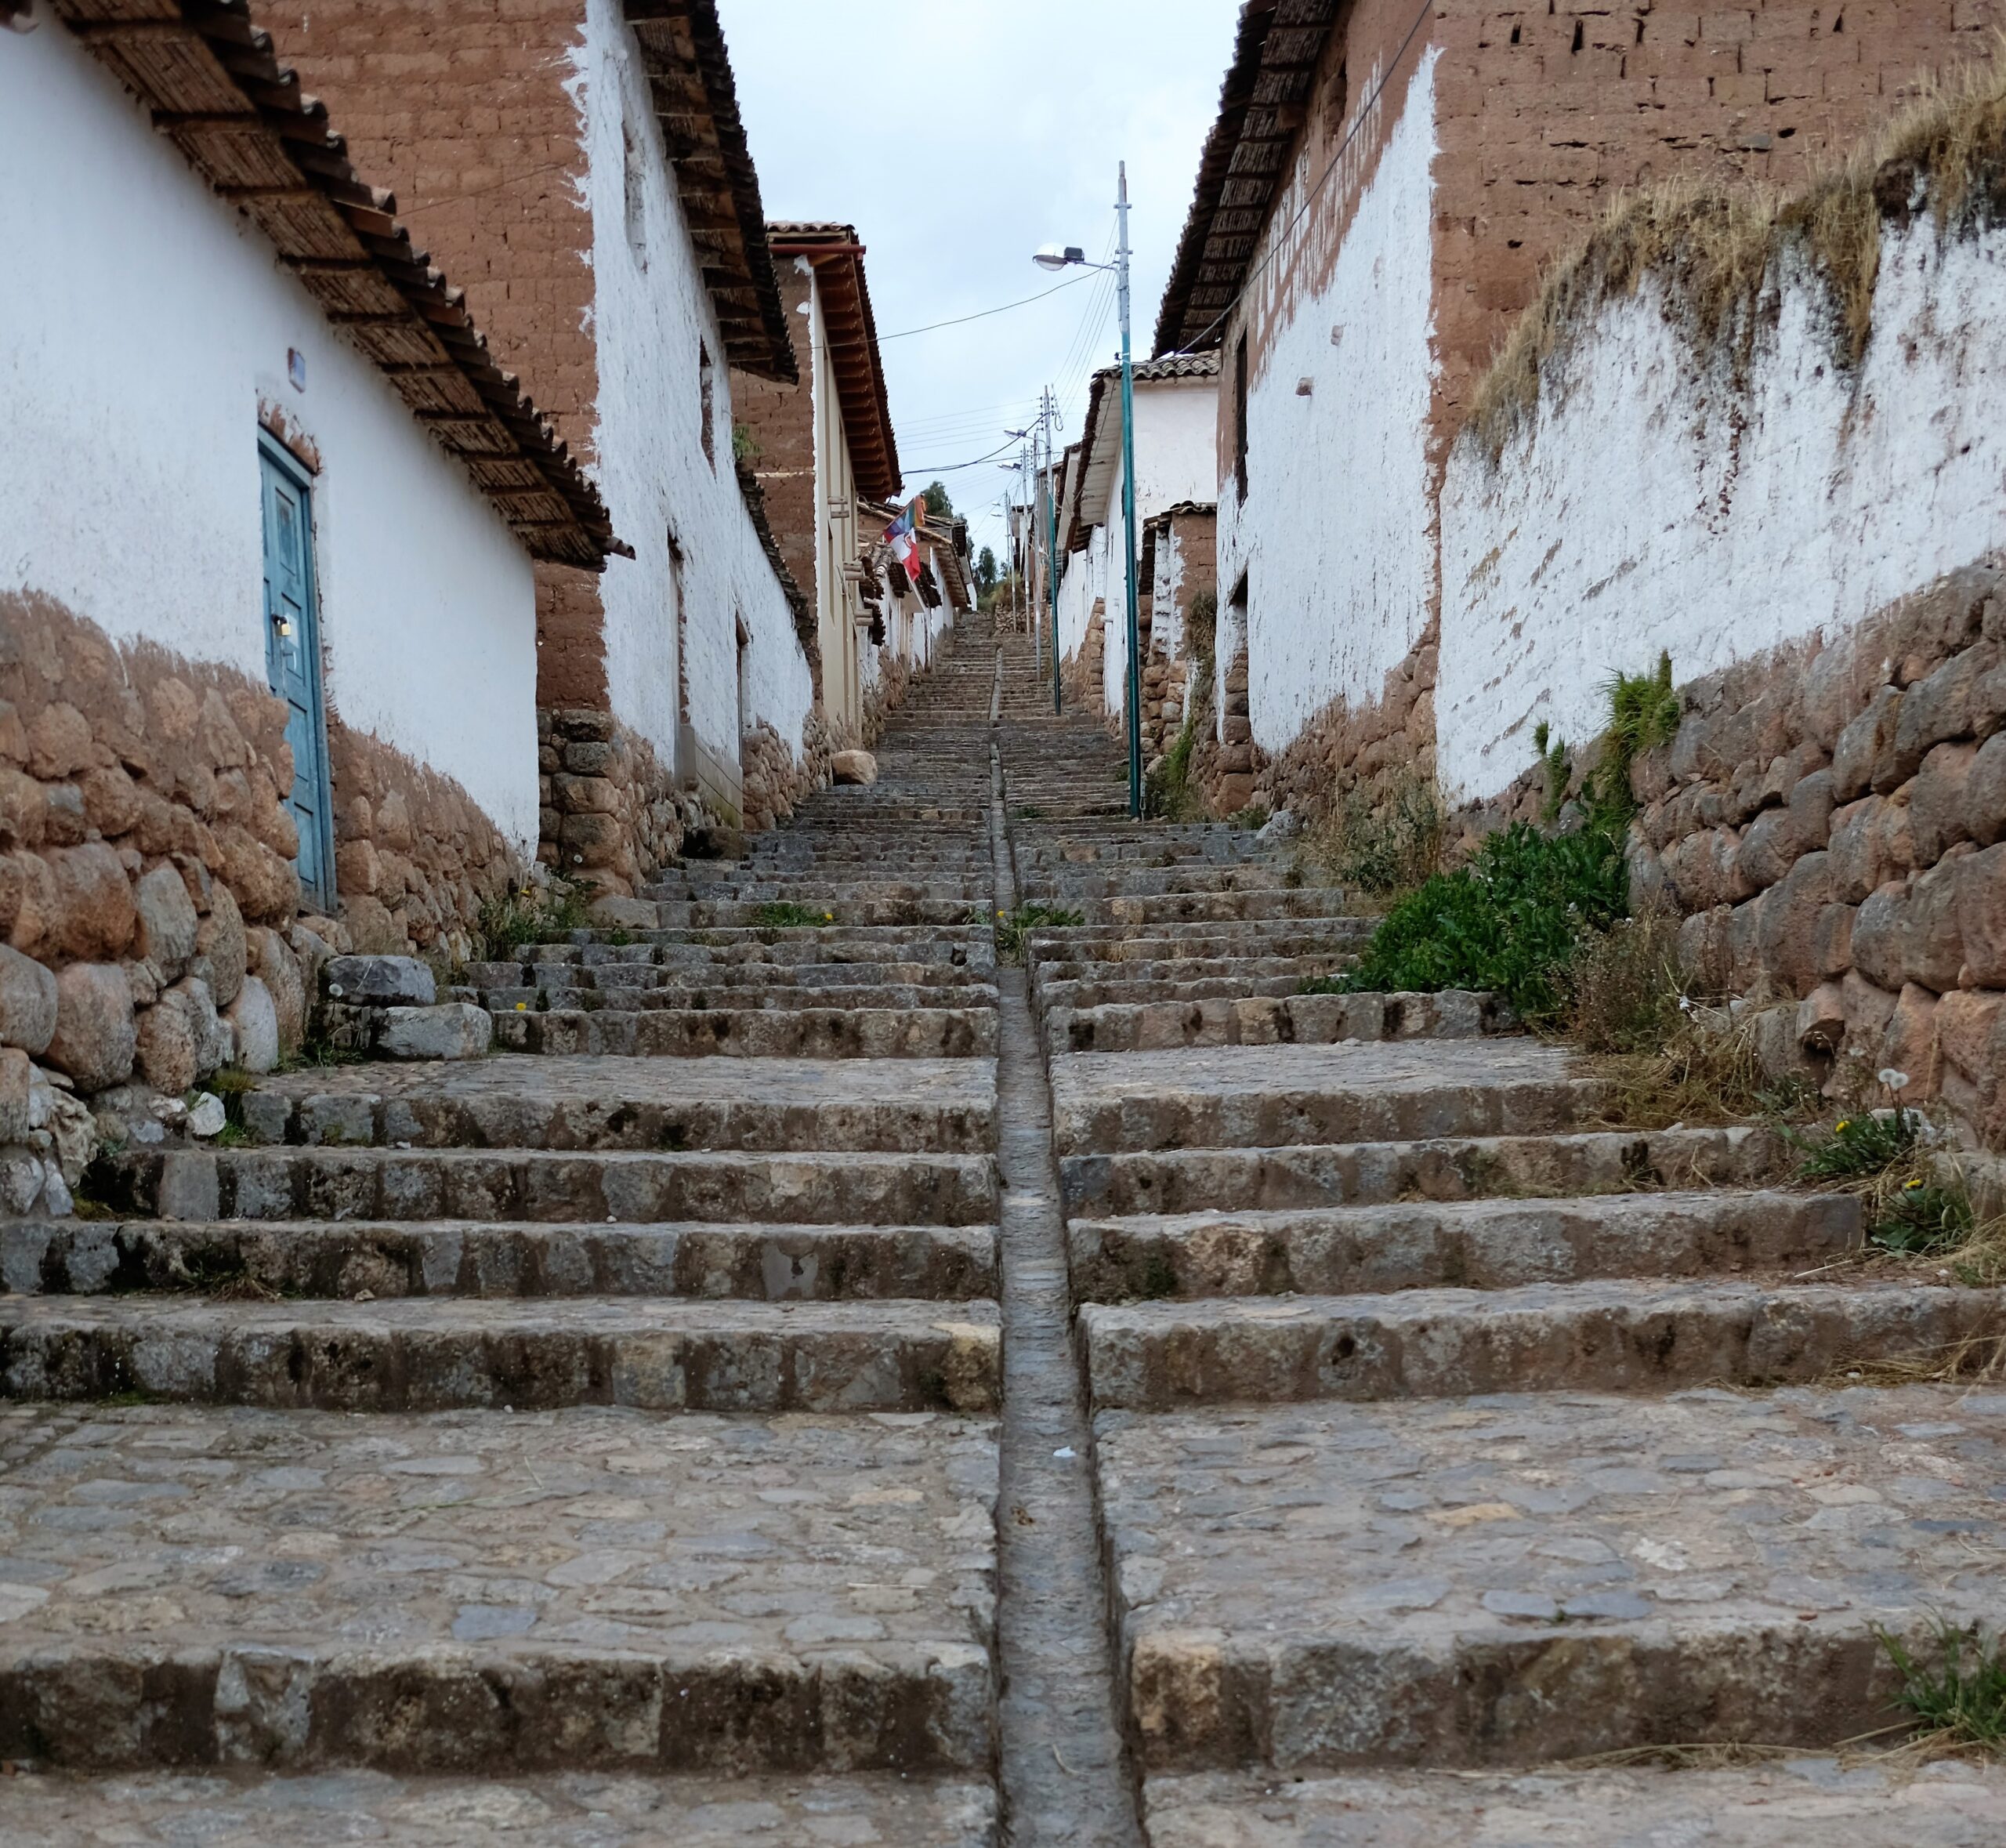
985,571
938,505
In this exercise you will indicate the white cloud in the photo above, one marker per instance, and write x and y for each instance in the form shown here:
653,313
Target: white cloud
960,137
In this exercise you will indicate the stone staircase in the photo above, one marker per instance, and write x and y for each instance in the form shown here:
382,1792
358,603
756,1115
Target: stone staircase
824,1382
1445,1430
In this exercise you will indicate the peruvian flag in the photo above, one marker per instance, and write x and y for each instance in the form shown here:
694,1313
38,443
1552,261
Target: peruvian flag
901,536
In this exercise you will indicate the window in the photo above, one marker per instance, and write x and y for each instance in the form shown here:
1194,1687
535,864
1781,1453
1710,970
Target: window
744,701
1239,416
637,197
707,392
681,616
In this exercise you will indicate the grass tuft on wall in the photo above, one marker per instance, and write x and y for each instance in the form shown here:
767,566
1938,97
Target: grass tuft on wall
1712,253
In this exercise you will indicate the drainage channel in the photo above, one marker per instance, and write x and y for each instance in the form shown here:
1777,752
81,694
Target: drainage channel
1065,1779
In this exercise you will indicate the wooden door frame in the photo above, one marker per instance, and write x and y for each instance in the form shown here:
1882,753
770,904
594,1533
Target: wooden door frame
270,450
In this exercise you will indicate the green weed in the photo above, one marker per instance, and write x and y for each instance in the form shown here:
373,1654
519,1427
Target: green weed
1013,929
1860,1147
1385,847
1920,1220
533,915
785,914
1512,921
1957,1691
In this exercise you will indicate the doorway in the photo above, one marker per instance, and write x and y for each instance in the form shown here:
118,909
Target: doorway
292,661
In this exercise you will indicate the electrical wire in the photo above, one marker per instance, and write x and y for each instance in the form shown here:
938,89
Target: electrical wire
963,321
1316,192
956,467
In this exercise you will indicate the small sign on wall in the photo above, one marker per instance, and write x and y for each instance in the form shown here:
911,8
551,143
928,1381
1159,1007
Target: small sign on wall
295,368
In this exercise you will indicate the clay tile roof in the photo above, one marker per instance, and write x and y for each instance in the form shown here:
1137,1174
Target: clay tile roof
1245,161
239,117
695,100
837,258
1097,471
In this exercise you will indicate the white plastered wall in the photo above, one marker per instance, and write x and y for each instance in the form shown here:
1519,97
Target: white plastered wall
1648,506
145,320
1335,535
654,320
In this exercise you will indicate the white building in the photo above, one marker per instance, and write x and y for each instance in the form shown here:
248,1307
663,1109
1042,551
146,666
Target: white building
634,277
1176,463
257,461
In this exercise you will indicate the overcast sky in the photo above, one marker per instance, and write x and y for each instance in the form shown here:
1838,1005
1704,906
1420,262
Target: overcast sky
958,137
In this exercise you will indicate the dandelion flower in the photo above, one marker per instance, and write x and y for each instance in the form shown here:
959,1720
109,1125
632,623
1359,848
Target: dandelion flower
1894,1080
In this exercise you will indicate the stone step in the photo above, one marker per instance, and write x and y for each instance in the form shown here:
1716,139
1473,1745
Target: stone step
1107,985
1597,1336
1093,944
560,1186
1257,878
1609,1161
795,943
484,1592
689,995
819,890
1515,1580
438,1355
755,1033
1276,1095
1263,1020
939,1106
1782,1804
321,1258
609,1808
627,979
716,914
1202,907
1477,1244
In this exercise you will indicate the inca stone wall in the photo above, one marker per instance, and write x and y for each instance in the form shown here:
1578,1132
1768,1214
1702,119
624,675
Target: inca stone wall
148,899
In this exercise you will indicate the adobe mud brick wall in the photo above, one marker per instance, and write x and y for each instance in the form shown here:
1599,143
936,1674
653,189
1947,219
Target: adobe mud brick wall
464,113
148,900
1544,113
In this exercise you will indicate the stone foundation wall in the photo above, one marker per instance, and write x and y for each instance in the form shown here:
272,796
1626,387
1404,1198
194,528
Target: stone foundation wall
612,816
415,858
895,679
1370,747
777,781
1830,822
1080,674
148,901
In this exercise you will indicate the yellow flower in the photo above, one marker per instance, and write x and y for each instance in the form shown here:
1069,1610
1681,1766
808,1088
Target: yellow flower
1845,1123
522,1007
1911,1185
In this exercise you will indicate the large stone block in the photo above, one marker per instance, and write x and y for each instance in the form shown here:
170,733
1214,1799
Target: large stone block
1863,744
1790,946
94,1036
381,981
1908,1047
94,919
222,955
168,923
458,1029
1981,910
253,1021
1985,792
1939,802
28,1002
858,768
1966,695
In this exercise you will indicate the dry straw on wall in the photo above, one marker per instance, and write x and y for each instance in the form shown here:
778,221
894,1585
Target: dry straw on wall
1715,252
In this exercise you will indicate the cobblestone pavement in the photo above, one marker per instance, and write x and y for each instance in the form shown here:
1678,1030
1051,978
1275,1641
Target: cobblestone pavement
576,1811
852,1374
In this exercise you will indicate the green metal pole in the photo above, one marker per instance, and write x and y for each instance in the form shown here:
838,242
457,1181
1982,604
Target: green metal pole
1051,551
1128,524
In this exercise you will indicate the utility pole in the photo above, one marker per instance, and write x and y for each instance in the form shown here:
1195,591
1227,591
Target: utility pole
1047,419
1128,518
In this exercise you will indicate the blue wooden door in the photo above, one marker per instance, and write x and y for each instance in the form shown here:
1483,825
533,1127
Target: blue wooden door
292,662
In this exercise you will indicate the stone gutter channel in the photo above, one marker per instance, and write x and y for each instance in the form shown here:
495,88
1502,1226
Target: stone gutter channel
1065,1778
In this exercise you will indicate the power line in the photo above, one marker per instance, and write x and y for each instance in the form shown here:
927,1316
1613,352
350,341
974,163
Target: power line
962,321
956,467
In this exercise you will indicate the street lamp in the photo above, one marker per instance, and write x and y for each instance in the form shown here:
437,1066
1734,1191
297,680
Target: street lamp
1055,257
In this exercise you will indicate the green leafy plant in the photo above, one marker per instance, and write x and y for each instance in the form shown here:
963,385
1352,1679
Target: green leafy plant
1382,842
1859,1147
785,914
1013,929
1166,793
1558,766
533,915
1957,1688
1512,921
1920,1220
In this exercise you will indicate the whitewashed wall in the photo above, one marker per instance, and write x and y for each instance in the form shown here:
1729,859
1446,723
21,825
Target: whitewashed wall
1334,536
1632,515
652,321
143,320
